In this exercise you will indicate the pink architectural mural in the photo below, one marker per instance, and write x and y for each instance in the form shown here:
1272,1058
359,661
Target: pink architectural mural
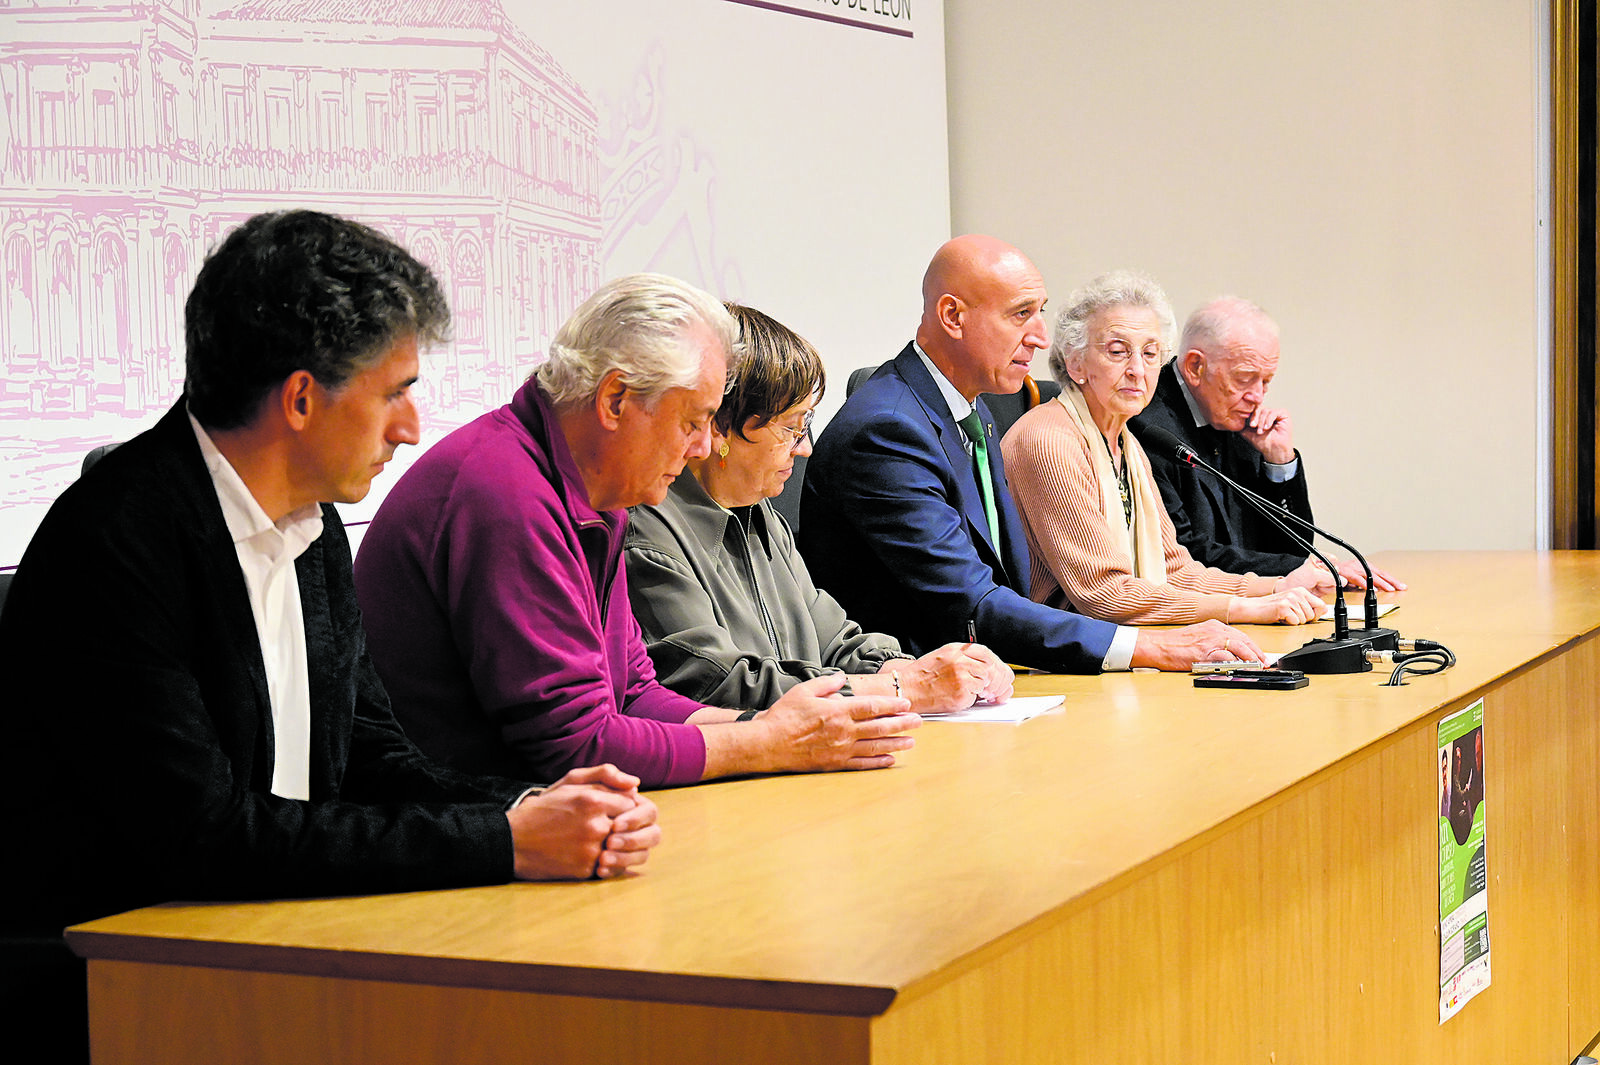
132,135
657,190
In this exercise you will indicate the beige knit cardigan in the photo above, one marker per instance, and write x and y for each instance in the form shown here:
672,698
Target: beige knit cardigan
1077,557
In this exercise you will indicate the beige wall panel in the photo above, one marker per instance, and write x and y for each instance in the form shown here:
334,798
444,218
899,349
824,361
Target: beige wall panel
1366,171
267,1019
1578,690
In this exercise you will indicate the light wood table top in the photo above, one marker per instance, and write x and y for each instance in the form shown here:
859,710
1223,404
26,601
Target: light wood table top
836,893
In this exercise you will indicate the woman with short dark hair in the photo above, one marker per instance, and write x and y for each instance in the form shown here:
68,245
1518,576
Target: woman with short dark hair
728,610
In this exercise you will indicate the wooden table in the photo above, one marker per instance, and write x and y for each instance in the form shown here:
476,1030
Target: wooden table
1153,874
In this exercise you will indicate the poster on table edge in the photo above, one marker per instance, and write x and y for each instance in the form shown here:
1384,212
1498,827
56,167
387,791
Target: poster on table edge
1463,861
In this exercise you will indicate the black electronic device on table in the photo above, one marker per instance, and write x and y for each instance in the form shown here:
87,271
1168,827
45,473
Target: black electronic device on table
1247,677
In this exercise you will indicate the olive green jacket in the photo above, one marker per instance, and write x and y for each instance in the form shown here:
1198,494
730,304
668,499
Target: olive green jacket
729,612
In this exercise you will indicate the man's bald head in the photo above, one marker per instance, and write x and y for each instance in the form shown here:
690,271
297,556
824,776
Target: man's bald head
1227,320
965,264
982,314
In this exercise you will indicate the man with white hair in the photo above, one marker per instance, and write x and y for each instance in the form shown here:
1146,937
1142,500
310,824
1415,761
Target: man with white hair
1212,396
491,577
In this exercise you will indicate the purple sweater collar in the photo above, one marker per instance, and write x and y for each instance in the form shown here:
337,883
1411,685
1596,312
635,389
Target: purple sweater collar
532,408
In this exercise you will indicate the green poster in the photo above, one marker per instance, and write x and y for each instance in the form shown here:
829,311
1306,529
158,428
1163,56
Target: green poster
1463,861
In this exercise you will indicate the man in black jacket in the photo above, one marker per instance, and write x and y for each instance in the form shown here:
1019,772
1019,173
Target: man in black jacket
213,727
1211,395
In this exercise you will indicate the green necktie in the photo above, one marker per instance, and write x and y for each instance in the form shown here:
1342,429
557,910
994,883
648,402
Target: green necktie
972,425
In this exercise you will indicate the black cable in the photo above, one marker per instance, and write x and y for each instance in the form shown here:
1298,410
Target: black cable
1408,646
1436,658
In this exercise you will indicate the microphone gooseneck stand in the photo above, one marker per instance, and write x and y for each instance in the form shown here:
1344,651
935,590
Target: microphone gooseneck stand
1347,650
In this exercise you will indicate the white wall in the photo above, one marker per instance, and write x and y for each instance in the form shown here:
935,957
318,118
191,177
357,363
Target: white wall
1364,170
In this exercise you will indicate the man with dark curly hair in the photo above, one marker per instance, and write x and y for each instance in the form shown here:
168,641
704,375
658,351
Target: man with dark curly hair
215,728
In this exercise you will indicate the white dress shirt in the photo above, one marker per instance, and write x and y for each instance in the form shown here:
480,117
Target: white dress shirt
267,552
1119,655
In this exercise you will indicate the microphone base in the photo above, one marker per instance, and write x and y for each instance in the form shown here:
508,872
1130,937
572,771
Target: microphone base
1379,639
1329,656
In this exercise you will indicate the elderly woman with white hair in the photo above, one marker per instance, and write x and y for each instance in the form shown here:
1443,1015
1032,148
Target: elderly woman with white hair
492,584
1098,534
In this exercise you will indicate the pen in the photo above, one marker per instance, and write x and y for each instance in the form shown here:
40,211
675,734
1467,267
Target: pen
972,630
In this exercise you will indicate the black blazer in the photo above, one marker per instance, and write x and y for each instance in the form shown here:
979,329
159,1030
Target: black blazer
1211,520
143,771
891,523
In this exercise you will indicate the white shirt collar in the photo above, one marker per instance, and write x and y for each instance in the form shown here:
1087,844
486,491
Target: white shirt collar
244,517
1195,410
959,407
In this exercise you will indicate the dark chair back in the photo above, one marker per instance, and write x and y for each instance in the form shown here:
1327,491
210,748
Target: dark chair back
96,455
1008,408
787,502
858,375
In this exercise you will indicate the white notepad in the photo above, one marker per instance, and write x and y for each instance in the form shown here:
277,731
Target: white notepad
1014,710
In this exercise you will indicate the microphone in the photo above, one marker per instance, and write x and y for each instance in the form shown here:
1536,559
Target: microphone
1318,653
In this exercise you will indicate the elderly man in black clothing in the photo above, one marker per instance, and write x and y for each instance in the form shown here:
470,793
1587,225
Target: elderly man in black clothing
1212,396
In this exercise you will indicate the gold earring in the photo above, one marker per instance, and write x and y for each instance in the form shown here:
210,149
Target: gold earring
722,454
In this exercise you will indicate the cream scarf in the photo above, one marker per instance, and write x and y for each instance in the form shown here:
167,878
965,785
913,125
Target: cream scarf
1143,541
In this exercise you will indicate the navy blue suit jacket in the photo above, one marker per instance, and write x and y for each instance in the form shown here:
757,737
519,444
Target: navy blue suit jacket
893,526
